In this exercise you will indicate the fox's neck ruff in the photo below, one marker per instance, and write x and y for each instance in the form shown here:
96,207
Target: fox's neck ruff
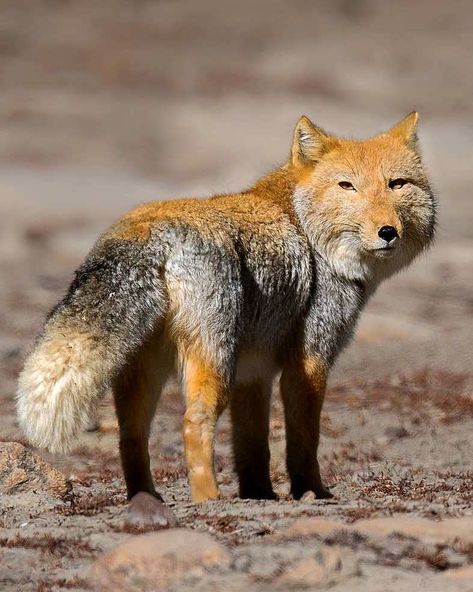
341,255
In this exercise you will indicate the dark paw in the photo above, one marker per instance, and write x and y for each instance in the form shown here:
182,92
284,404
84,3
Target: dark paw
257,493
299,486
146,510
323,493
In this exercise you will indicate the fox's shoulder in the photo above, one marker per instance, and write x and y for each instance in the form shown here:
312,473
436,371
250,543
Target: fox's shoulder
240,210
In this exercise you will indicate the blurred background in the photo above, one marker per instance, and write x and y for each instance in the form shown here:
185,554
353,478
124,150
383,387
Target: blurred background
107,104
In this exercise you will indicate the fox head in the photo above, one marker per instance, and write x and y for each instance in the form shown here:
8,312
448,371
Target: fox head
366,205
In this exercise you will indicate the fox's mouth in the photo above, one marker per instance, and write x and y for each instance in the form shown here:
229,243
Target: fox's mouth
386,251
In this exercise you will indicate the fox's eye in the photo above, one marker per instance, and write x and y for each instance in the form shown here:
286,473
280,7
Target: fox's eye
347,185
397,183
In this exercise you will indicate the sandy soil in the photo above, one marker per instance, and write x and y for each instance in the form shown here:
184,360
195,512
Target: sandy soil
107,105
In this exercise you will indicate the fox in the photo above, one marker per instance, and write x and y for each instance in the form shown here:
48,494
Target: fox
232,292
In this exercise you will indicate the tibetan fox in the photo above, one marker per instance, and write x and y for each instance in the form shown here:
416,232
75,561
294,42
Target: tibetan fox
232,291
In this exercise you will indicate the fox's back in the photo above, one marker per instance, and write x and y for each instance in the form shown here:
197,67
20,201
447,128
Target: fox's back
236,267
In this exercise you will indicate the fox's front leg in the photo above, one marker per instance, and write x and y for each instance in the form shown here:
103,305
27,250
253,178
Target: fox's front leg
303,382
206,397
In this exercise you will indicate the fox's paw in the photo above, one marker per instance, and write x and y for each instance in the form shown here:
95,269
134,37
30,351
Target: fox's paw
301,485
311,496
257,493
323,492
146,510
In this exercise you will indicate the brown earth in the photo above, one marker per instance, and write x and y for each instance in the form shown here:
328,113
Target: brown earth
105,105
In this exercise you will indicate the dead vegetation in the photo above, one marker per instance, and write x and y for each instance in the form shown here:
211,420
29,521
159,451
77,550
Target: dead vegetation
56,546
418,397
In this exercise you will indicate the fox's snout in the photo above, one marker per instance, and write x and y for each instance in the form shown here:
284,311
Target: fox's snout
379,236
386,241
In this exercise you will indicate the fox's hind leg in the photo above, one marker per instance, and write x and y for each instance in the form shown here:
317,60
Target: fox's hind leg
136,392
303,383
250,405
206,396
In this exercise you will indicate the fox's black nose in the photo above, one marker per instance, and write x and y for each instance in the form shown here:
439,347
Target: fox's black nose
387,233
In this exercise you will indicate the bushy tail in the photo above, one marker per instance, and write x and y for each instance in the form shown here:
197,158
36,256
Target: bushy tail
116,299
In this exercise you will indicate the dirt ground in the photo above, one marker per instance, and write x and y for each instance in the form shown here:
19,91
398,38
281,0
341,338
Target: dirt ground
105,105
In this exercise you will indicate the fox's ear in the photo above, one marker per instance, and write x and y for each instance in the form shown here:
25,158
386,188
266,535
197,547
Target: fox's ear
309,142
406,130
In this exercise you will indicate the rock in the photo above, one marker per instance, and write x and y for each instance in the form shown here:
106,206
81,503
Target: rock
146,510
328,566
444,532
308,498
310,527
460,573
21,470
156,561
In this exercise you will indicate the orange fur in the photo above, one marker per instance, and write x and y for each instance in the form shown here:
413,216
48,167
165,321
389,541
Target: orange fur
205,398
